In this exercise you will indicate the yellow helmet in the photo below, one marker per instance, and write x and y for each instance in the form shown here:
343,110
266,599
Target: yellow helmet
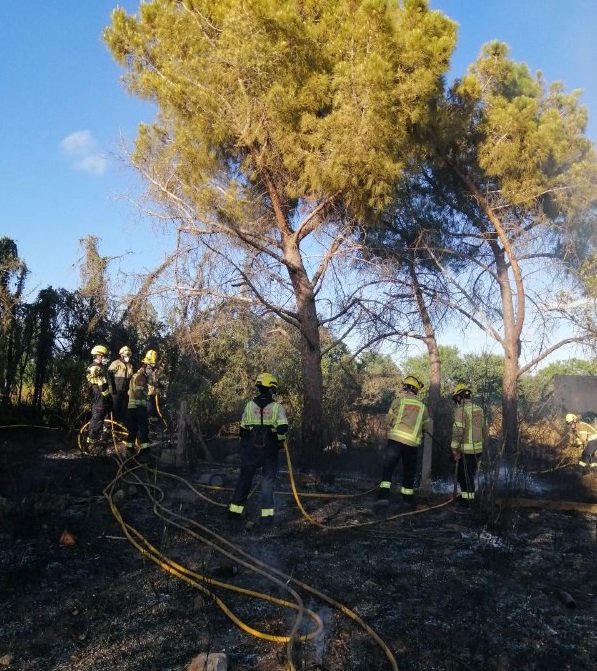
460,388
99,350
151,356
266,380
414,382
571,418
125,351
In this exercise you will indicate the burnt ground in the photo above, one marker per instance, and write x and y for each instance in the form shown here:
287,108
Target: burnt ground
505,587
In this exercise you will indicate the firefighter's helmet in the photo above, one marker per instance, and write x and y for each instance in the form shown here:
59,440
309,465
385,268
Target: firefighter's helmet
266,380
461,388
99,350
571,418
151,356
413,382
125,351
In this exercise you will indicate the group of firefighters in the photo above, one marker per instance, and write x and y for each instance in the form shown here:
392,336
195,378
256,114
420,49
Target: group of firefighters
130,396
264,425
408,420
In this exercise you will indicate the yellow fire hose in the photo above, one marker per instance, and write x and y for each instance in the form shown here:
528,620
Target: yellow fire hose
269,570
312,520
198,580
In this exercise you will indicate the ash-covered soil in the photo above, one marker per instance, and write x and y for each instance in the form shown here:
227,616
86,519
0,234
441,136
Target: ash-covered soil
503,588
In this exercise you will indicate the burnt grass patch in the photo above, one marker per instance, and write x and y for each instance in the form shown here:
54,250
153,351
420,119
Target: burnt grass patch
502,588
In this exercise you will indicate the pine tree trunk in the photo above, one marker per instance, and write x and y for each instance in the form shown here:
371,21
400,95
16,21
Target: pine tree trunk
435,372
311,426
510,397
433,397
311,439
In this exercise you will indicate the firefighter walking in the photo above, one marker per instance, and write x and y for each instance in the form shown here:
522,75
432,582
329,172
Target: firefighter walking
263,429
406,420
468,431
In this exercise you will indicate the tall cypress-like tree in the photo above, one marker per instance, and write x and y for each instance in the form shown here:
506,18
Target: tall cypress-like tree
279,120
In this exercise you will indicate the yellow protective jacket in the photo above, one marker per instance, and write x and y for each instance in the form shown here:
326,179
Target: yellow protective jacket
264,422
120,373
407,417
468,428
139,389
96,376
583,433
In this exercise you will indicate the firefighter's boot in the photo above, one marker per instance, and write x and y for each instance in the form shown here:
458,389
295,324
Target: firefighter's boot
383,499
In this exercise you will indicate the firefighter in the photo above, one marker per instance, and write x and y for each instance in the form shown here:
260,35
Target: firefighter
406,420
585,437
136,419
468,430
263,429
120,372
101,400
155,398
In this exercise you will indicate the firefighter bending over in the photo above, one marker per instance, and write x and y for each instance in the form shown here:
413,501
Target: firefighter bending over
468,431
263,428
406,421
136,419
101,400
585,437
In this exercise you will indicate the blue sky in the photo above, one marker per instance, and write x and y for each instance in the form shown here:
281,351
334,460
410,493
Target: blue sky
63,111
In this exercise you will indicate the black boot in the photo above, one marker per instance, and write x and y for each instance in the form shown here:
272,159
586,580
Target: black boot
383,499
144,456
234,517
409,500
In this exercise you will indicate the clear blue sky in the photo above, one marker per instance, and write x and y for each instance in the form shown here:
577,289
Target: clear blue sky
63,109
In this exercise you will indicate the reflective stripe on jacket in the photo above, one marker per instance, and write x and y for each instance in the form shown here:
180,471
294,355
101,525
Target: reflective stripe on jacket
468,428
406,418
138,389
273,415
121,373
96,377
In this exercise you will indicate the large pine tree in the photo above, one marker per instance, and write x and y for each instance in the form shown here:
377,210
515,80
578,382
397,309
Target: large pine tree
277,120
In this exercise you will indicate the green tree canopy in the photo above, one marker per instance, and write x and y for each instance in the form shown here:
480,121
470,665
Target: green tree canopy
278,119
514,151
319,96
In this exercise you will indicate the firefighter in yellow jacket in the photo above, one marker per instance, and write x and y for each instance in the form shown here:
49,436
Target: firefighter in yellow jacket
468,431
120,372
585,437
136,419
406,419
263,429
101,400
